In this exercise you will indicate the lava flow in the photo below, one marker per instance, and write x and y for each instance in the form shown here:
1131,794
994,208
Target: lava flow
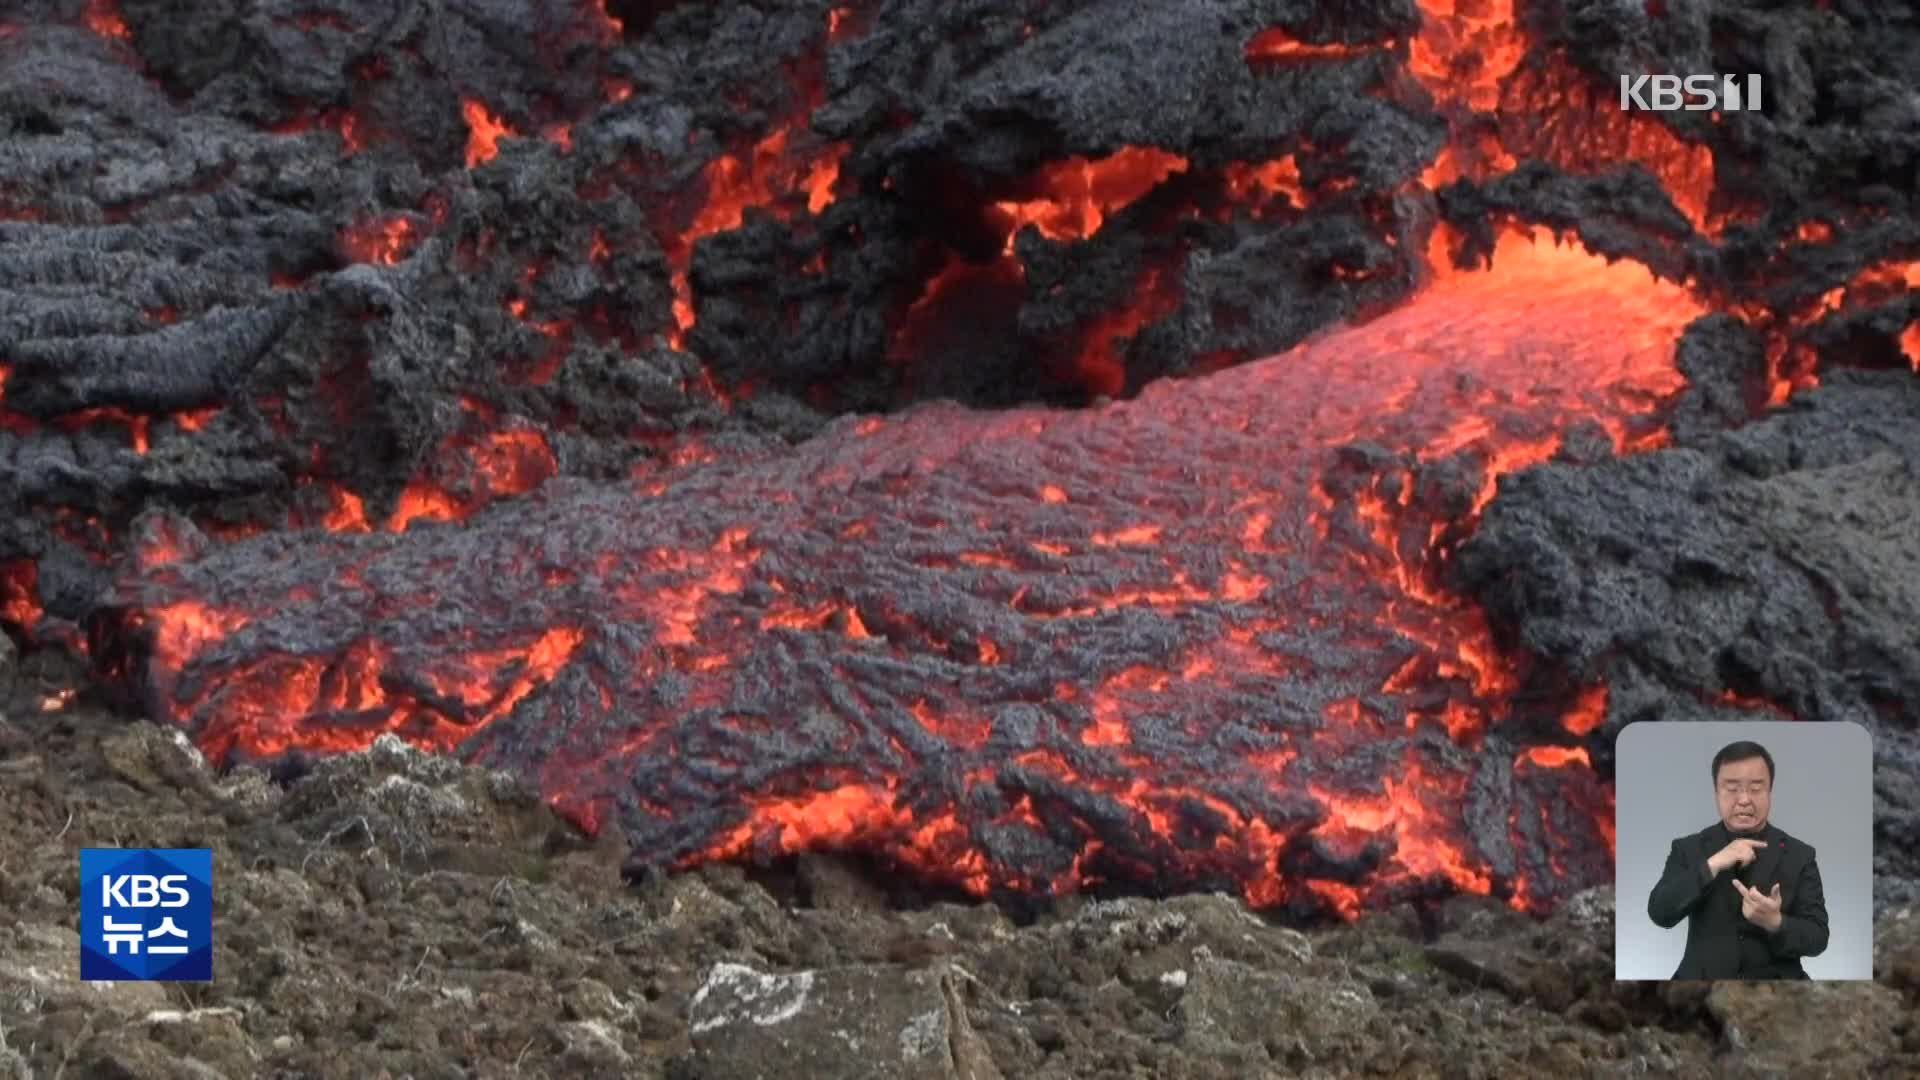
1188,640
647,399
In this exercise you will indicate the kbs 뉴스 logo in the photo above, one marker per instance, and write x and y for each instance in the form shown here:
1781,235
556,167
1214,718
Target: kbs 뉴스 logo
146,914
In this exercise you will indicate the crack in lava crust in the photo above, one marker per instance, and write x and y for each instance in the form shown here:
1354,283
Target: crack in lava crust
1193,640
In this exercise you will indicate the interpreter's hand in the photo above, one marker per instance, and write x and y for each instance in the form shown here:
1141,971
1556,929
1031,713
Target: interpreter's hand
1739,853
1761,909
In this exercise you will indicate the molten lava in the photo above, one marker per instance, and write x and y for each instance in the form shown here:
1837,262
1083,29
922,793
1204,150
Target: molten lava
1192,639
1074,196
384,240
769,176
1468,56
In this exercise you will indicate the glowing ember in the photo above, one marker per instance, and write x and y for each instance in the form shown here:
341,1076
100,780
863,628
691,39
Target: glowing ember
379,240
495,466
1735,700
19,596
768,176
196,419
103,18
1589,711
611,23
1467,55
1077,194
484,132
1464,51
839,23
1246,673
344,122
760,178
1252,184
1278,45
1099,366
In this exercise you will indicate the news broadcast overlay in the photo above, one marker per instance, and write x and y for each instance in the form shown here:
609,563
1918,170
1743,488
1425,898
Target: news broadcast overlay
1744,850
146,914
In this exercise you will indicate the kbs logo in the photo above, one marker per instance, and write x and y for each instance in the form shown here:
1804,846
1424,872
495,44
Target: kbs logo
1695,93
146,914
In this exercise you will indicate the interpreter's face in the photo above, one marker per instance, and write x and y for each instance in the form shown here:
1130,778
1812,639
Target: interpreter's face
1745,794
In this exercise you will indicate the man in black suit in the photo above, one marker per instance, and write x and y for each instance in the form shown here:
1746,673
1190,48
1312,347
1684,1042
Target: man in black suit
1749,892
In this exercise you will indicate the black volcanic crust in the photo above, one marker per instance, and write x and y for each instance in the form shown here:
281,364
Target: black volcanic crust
206,262
1778,561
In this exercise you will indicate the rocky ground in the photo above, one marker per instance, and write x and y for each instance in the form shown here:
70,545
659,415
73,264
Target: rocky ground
394,914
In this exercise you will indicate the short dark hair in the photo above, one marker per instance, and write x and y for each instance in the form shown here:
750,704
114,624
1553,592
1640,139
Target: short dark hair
1742,751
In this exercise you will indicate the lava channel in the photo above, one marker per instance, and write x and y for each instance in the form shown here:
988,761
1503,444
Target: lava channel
1192,640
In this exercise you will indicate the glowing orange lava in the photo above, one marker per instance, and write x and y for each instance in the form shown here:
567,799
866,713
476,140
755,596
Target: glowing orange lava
770,175
1077,194
379,240
484,132
1468,55
1465,50
19,594
1278,45
1135,604
103,18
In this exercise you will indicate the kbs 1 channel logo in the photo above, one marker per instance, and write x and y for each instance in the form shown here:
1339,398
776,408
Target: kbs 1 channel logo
1693,93
146,914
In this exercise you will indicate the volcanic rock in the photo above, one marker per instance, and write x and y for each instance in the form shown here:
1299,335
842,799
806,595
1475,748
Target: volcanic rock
1233,1013
840,1024
1770,1036
1565,960
484,375
563,967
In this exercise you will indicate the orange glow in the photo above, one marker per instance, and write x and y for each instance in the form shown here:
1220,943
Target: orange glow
1465,50
1278,45
767,176
379,240
838,22
489,467
1286,559
1554,757
343,122
182,630
1589,711
1733,699
1248,183
1467,55
1099,367
734,183
1077,194
484,132
196,419
1138,534
256,715
1879,282
348,513
19,593
103,18
1408,809
609,22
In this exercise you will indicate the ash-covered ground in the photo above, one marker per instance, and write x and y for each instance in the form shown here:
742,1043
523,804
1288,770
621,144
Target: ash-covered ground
395,913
